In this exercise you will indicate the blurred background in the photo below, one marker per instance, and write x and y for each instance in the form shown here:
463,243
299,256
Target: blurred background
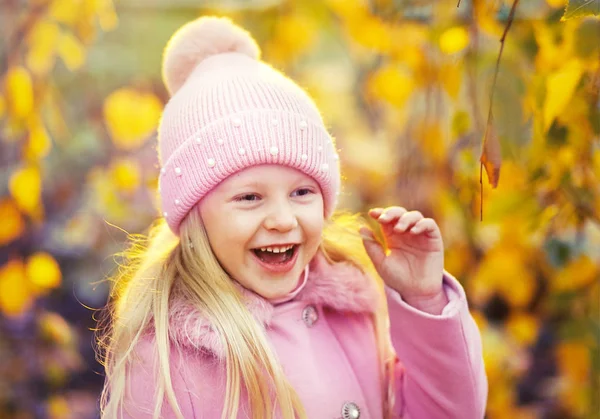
403,85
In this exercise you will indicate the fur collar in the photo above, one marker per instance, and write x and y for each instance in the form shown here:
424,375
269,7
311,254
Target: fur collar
341,287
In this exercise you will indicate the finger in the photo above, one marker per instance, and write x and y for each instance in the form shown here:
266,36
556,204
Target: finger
374,250
426,225
391,214
376,212
407,221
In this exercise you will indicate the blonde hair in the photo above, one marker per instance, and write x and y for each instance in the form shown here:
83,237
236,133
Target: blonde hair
140,299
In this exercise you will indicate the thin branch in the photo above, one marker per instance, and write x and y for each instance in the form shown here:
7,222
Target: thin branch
458,5
508,25
511,17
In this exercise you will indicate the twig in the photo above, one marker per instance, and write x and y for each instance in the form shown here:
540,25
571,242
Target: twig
496,71
458,5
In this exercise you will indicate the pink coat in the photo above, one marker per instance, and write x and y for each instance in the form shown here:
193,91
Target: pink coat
325,341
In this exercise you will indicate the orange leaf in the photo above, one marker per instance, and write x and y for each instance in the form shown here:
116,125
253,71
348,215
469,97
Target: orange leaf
12,224
15,296
491,156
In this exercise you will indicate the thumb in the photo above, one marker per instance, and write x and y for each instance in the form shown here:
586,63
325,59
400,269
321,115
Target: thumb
372,246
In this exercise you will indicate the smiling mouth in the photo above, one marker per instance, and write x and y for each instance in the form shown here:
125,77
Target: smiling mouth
276,255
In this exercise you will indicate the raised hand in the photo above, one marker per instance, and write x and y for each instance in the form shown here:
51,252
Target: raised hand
414,262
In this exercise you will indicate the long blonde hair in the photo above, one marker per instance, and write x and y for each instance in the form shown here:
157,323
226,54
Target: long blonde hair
140,295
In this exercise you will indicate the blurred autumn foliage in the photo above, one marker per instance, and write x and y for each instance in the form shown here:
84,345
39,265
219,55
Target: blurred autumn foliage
405,87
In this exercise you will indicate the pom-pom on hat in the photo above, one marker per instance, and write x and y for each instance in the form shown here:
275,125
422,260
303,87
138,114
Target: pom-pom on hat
229,111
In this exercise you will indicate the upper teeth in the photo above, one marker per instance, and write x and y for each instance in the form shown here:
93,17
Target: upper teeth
277,249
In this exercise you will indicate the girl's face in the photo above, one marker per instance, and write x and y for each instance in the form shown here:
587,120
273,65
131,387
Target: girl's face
264,225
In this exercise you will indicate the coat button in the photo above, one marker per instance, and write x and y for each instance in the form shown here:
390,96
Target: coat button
350,411
310,315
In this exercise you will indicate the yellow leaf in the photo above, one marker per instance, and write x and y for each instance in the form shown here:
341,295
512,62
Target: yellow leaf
55,329
556,3
19,92
461,123
15,296
42,47
451,78
574,360
581,8
504,271
431,138
349,10
85,29
131,116
454,40
551,53
371,32
485,15
390,84
43,272
71,51
107,15
523,328
293,35
126,175
576,274
458,259
560,87
12,224
25,186
39,143
65,11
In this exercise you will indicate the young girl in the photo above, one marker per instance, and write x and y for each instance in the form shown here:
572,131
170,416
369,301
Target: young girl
250,299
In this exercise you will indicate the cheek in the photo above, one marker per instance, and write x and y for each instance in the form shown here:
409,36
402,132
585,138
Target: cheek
231,232
313,224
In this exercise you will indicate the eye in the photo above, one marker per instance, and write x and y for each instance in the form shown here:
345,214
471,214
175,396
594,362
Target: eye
247,197
302,192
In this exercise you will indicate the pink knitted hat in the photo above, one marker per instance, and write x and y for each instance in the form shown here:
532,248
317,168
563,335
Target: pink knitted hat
229,111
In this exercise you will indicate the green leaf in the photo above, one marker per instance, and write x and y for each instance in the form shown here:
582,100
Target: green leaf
581,8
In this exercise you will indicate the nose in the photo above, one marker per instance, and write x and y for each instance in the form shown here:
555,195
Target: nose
281,218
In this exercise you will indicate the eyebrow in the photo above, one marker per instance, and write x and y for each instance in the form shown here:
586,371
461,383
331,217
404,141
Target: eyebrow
257,185
250,184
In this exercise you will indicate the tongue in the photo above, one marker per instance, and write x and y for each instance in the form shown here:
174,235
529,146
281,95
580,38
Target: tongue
271,257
